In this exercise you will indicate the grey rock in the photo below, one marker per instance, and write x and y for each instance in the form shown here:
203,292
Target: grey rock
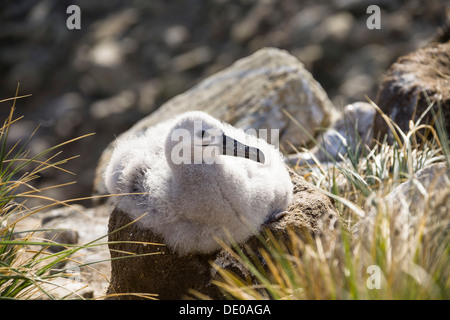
61,236
352,130
118,104
79,225
192,59
248,27
175,35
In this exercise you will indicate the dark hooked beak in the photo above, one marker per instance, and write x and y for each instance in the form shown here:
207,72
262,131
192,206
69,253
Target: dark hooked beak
232,147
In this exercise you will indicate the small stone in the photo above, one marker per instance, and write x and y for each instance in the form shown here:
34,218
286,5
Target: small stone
107,53
117,104
175,35
249,25
336,26
191,59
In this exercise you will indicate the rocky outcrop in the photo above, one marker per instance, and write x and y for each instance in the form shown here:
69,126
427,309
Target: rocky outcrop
254,93
411,84
154,269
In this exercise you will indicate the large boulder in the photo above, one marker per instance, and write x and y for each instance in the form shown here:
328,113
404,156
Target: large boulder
155,269
254,93
411,84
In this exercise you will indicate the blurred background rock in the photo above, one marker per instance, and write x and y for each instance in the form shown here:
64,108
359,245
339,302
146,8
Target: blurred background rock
131,56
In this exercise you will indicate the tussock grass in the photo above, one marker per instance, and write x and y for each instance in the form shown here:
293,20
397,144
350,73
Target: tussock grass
399,247
27,269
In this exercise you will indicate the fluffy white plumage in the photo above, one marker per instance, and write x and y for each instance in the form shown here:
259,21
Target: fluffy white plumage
190,205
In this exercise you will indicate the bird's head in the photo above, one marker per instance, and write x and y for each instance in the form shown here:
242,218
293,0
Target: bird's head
197,138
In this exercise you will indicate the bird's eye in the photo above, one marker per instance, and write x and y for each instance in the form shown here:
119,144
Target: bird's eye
202,134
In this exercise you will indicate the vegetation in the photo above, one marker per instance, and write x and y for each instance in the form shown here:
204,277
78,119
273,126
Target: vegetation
389,253
28,270
408,250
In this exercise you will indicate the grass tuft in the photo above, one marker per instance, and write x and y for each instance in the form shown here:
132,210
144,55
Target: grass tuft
27,269
400,246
